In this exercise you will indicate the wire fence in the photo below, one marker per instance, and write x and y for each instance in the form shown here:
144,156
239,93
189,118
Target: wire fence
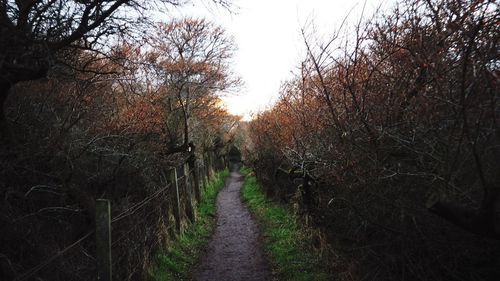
130,242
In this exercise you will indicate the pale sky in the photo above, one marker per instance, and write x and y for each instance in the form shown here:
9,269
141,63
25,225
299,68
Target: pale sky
267,34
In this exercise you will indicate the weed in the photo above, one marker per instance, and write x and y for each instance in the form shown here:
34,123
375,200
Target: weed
176,262
286,243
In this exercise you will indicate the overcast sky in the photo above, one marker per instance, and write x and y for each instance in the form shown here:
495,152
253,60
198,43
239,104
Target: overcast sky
267,34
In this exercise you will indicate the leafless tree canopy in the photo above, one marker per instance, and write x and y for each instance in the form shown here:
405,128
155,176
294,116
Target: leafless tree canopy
191,58
104,132
390,131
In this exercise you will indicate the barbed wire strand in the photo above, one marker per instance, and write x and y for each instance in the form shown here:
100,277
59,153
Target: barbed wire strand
41,266
122,215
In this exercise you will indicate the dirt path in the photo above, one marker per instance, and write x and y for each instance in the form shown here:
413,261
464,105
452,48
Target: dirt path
234,253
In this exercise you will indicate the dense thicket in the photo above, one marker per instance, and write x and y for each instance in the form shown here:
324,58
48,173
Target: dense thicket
110,126
388,140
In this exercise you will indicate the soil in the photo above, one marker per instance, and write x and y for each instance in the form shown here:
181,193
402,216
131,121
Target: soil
235,251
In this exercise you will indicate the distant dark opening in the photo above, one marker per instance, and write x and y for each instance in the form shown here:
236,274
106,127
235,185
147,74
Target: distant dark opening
234,154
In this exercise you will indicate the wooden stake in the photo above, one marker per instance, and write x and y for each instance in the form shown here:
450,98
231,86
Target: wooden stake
177,203
189,193
103,239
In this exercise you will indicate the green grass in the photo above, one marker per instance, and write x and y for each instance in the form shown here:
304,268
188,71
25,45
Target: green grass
286,243
176,262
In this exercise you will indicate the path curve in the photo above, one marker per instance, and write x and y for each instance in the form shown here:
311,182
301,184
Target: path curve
235,251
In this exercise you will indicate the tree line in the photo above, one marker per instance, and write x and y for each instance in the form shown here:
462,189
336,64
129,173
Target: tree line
99,101
386,140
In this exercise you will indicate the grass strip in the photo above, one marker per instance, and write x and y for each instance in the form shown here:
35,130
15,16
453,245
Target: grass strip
175,263
286,243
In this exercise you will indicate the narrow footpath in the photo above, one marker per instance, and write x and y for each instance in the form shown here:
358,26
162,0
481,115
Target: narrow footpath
235,252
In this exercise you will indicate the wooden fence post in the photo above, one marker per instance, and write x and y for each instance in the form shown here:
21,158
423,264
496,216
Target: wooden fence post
177,205
196,179
103,239
206,173
211,172
201,182
203,174
189,193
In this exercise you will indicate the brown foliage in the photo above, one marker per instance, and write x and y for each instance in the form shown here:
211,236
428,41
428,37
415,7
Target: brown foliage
103,133
399,124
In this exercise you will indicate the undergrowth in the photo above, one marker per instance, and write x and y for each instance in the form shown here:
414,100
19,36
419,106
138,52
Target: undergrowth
176,261
286,243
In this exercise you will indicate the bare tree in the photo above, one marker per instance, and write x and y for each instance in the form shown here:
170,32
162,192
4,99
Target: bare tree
404,127
34,33
192,59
